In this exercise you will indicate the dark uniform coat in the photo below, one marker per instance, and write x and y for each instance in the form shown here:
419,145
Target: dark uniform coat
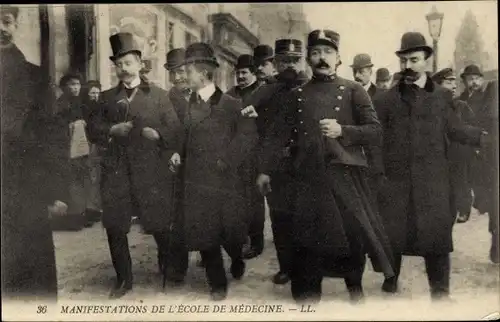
136,180
213,199
33,177
415,197
323,206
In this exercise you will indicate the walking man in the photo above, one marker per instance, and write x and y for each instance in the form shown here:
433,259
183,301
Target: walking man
142,134
418,118
383,78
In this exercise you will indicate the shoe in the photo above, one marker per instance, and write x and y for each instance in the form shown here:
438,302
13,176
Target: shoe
93,215
251,253
160,263
218,295
120,289
390,285
238,268
356,295
494,251
441,296
462,218
281,278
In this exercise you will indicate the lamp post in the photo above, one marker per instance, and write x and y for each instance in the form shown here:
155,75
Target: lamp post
435,22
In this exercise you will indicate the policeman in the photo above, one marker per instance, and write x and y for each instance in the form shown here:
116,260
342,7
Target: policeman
265,106
322,133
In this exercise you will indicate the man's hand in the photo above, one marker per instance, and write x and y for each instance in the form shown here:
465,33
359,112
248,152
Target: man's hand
330,128
222,166
121,129
150,134
249,112
58,208
264,184
174,162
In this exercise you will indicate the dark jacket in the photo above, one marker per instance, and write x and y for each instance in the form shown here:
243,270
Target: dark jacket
415,197
213,199
135,177
34,175
243,93
179,102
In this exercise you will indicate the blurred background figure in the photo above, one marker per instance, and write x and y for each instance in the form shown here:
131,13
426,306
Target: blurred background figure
383,78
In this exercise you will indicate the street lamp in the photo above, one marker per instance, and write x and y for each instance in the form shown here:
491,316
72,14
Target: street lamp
435,21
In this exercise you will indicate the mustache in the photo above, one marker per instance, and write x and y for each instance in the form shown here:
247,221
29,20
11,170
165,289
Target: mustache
409,73
322,64
240,80
124,74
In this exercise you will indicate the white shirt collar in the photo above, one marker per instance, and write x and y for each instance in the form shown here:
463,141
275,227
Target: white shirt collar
136,82
421,81
207,92
367,86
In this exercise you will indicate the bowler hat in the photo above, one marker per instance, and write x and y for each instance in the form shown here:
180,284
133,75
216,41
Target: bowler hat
175,58
288,47
200,53
244,61
262,53
446,73
8,9
361,61
382,74
323,37
123,43
413,41
471,70
147,66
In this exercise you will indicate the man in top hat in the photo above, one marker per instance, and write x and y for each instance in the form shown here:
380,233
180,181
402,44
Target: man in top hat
459,154
362,72
219,139
482,97
321,134
34,172
383,78
180,91
418,119
247,85
263,57
265,105
143,137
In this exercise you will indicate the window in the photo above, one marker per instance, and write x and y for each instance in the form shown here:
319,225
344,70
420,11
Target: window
170,36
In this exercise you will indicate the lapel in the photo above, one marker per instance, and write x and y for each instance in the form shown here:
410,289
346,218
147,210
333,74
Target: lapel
372,90
200,111
129,109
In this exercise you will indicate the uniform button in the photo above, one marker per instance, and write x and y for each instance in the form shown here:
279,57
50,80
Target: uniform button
305,133
339,97
300,99
337,108
301,122
342,87
295,130
300,89
300,111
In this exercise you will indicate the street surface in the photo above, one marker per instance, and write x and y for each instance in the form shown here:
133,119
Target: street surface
85,273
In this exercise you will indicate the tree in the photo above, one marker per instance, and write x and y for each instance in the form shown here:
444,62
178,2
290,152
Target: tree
469,46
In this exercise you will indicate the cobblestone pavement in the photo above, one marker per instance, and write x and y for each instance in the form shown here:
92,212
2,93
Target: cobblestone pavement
85,273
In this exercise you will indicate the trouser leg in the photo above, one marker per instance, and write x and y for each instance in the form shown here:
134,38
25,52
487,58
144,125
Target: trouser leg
120,255
214,268
438,274
172,255
256,231
281,223
306,274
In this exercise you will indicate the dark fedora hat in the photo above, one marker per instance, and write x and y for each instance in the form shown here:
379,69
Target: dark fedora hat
413,41
382,74
445,73
244,61
200,53
175,58
361,61
471,70
323,37
262,53
8,9
123,43
288,47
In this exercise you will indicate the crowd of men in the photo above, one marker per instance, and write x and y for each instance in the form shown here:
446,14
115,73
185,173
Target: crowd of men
348,168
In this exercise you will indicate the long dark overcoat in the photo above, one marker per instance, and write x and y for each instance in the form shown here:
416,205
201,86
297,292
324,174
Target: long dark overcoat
415,197
33,177
214,201
136,180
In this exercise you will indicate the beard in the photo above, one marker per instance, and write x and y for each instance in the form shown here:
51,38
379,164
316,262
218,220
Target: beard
289,74
409,75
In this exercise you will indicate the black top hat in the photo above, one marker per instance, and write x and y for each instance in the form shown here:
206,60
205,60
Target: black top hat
123,43
8,9
200,53
323,37
361,61
471,70
175,58
262,53
244,61
413,41
382,74
446,73
288,47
